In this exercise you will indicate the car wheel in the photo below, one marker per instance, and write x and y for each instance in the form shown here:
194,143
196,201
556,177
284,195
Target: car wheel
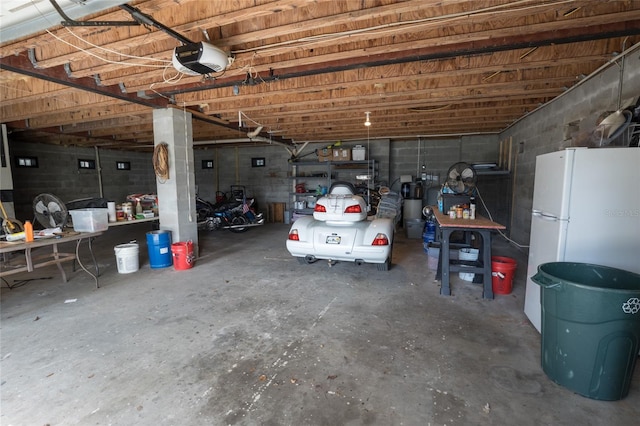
384,266
239,220
387,263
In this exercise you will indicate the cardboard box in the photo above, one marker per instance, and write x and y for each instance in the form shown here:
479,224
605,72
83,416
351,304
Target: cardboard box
341,154
325,154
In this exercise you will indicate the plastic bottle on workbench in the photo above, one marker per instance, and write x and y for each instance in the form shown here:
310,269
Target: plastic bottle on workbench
28,231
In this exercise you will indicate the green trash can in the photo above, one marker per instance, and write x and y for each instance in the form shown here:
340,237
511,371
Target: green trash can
590,327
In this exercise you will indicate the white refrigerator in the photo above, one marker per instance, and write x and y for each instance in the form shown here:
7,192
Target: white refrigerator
586,208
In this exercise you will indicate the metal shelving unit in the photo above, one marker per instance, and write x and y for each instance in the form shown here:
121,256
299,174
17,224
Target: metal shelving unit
323,173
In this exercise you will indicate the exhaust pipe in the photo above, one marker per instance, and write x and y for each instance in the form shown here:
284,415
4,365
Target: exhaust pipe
359,262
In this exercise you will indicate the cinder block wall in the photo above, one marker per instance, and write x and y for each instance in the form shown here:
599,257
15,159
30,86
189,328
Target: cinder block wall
547,129
438,155
271,183
58,174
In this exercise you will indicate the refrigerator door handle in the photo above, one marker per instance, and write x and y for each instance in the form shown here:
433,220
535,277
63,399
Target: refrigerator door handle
544,216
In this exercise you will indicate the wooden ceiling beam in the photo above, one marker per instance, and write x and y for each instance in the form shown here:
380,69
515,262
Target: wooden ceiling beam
181,17
20,64
81,115
43,38
423,91
370,81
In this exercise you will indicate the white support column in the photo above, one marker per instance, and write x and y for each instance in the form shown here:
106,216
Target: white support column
177,194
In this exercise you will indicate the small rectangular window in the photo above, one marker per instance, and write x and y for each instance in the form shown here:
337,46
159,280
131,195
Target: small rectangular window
207,164
27,161
123,165
86,164
257,162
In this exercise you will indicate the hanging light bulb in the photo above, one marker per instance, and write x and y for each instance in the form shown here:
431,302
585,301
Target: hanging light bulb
367,122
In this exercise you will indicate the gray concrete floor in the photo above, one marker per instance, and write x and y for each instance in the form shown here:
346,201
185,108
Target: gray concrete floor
250,337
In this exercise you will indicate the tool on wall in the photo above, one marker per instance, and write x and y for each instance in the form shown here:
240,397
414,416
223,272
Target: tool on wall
9,224
295,153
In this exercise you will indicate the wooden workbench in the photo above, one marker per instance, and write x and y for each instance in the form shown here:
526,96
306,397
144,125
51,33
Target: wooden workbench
41,260
480,225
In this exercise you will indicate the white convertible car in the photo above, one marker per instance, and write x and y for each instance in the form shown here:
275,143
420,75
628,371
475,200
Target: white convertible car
339,230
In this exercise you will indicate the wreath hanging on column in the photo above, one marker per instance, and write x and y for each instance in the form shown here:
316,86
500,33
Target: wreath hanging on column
161,161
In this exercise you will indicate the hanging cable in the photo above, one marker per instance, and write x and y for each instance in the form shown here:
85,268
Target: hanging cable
502,234
161,161
186,155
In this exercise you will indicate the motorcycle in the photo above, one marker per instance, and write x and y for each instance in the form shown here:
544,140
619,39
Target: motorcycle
236,215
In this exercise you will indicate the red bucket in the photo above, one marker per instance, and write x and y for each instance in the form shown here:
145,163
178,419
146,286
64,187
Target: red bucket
182,255
502,271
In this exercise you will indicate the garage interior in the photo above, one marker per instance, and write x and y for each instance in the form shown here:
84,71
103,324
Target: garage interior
249,335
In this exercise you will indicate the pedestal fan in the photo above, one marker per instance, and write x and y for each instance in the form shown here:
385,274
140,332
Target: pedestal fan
50,211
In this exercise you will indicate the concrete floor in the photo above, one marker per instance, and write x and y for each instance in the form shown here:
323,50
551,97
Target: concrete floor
250,337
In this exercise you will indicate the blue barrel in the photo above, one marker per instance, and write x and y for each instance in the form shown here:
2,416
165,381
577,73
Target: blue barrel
159,245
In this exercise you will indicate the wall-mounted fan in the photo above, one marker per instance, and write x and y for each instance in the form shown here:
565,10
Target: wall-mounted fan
461,178
50,211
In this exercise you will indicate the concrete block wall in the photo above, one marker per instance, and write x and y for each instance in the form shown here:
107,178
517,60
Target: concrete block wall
271,183
58,174
547,129
438,155
232,166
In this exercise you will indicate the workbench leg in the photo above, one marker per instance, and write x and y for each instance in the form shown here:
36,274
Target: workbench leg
27,257
56,256
445,289
486,264
93,259
95,264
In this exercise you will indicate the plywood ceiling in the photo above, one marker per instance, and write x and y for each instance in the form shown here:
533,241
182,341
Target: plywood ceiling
308,70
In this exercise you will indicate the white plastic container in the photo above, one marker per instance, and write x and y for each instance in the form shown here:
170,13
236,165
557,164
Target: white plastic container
470,254
90,220
358,153
127,258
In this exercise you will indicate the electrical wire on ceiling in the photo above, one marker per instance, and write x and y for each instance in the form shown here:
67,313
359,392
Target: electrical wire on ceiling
372,30
252,75
80,49
115,52
242,115
381,29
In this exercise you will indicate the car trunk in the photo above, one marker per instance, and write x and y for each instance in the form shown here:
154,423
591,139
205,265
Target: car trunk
336,240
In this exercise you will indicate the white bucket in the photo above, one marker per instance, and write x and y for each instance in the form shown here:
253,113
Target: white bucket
127,258
467,254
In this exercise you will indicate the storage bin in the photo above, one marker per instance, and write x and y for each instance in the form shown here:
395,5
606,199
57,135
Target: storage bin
414,227
90,219
470,254
433,254
358,153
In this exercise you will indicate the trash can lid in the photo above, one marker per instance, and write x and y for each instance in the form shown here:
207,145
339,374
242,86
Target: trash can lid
592,275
